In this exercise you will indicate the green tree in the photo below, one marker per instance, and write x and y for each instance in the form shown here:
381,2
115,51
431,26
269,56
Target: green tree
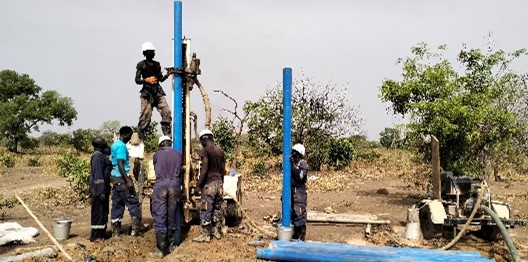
462,108
150,136
391,138
23,107
224,136
320,114
50,138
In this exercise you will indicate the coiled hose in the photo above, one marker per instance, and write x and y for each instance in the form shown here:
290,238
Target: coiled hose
500,225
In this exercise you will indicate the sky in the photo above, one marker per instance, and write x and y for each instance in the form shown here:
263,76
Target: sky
88,50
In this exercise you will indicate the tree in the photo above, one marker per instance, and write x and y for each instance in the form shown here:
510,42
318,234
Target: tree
23,107
224,136
462,109
320,114
391,138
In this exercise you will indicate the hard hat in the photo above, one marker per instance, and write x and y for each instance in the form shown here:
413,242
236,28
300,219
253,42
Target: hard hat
147,46
299,148
164,138
206,132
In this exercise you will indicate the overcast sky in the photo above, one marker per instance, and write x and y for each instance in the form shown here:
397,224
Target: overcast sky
88,50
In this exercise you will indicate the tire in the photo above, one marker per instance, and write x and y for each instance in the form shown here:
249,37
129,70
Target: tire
233,212
491,233
429,229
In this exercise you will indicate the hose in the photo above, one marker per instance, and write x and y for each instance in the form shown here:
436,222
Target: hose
466,225
504,232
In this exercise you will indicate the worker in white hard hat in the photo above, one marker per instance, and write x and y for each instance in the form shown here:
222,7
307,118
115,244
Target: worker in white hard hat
166,194
148,74
299,198
211,183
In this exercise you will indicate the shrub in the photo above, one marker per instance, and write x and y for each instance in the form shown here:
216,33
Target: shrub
50,138
369,155
29,143
341,153
8,160
391,138
34,162
76,170
224,135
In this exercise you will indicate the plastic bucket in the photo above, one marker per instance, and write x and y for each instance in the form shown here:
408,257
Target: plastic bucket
61,229
284,233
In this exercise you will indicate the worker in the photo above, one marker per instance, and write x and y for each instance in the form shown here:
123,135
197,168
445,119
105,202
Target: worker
299,173
100,168
166,194
148,74
211,184
123,191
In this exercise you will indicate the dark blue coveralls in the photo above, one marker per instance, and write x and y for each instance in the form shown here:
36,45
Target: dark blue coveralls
299,173
99,182
167,190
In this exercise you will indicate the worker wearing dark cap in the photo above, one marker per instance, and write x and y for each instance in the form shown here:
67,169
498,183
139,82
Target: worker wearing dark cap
100,168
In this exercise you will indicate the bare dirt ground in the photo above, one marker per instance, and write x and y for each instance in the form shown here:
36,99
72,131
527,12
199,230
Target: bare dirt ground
355,191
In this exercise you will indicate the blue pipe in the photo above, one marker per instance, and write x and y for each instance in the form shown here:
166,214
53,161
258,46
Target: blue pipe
177,123
286,145
317,251
374,251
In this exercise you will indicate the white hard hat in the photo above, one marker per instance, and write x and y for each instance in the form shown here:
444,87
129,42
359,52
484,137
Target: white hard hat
206,132
299,148
147,46
164,138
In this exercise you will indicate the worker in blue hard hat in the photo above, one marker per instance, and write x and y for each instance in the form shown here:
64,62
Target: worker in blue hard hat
148,74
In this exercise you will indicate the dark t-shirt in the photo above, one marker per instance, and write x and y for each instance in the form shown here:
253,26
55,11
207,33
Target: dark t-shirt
146,69
213,164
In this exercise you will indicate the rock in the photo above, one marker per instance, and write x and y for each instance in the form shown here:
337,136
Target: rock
382,191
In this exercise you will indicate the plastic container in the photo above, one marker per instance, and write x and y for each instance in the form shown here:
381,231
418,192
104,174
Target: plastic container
284,233
61,229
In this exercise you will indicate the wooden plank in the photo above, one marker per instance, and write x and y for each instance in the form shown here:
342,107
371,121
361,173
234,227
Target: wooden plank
59,246
345,218
435,150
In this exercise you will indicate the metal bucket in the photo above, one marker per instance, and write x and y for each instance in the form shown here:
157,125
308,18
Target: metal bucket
61,228
284,233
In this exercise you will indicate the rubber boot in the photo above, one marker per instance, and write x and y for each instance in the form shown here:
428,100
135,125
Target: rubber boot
302,233
136,226
116,229
217,230
166,129
296,232
161,246
205,236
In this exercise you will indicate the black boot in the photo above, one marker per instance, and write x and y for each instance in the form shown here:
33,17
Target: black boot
166,129
161,246
116,228
302,233
206,234
136,226
296,232
217,230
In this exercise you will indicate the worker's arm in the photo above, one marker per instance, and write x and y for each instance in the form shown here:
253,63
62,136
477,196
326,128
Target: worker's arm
203,171
138,78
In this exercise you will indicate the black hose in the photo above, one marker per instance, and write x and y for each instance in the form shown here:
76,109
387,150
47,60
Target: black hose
504,232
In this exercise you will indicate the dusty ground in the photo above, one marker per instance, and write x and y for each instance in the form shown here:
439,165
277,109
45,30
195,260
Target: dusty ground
50,198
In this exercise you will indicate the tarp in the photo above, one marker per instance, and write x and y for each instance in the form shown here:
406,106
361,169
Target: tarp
12,232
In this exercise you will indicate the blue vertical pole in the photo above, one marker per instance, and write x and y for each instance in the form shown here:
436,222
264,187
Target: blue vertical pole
177,124
286,145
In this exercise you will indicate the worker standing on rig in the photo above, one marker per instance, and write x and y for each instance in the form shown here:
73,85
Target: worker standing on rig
148,74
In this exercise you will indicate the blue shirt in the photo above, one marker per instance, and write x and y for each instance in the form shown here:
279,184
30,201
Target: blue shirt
119,151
